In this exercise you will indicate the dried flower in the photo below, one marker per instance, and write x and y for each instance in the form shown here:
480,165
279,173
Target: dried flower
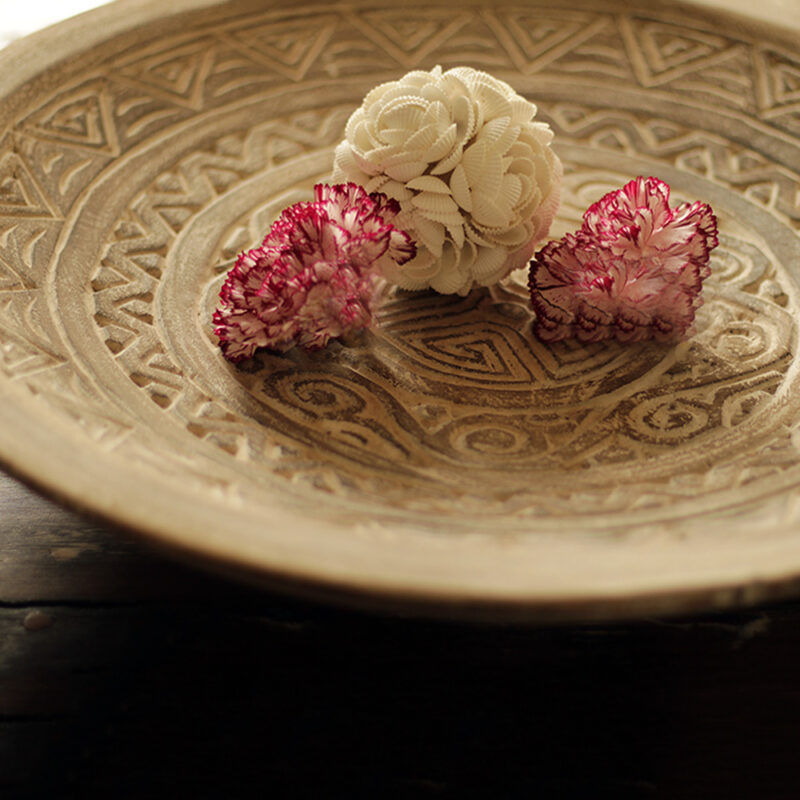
633,271
476,180
313,278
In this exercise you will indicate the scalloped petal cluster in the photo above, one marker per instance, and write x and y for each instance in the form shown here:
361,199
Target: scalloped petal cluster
314,276
477,182
633,271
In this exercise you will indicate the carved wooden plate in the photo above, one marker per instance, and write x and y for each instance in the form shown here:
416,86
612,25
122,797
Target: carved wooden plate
447,462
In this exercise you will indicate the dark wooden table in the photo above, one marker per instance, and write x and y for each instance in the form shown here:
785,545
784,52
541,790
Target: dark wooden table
123,675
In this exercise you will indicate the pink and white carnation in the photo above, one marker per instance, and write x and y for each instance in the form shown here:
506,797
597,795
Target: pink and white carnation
314,276
633,271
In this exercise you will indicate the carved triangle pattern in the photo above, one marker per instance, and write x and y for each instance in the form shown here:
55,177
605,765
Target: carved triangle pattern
487,354
433,333
536,40
20,194
81,118
777,82
410,40
21,358
25,348
12,280
289,48
26,248
661,52
212,422
61,387
235,73
177,74
691,150
61,172
127,277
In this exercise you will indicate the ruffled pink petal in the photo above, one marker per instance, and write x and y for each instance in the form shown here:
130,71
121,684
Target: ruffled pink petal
314,276
633,271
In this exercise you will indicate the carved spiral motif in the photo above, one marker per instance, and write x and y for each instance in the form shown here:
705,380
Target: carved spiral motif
669,419
319,397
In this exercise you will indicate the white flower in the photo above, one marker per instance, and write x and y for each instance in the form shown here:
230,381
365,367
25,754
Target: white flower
477,182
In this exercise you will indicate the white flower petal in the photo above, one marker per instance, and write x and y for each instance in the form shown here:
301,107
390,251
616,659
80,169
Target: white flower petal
345,165
443,145
484,171
422,140
419,77
514,236
404,113
523,111
457,234
451,279
459,186
353,123
488,260
542,132
510,191
445,217
447,164
437,112
493,103
473,235
383,155
465,118
434,201
415,274
427,183
494,132
397,190
431,234
394,136
405,171
487,213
